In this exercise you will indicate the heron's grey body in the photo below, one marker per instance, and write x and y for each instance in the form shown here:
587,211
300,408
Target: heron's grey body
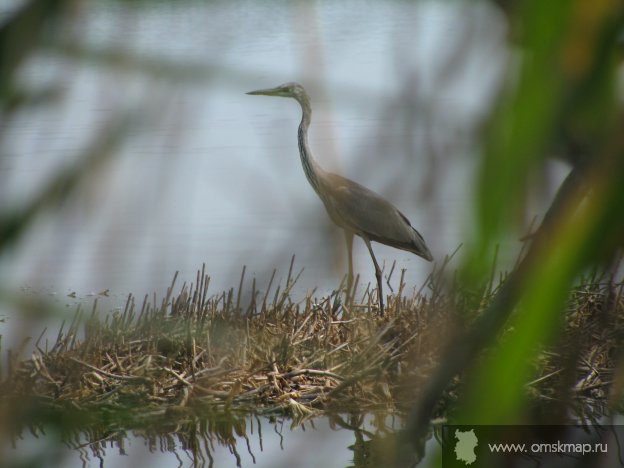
353,207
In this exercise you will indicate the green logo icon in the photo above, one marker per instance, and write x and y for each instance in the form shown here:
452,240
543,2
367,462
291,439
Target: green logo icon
465,447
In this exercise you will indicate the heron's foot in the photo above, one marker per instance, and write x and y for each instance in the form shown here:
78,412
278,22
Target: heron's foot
380,293
379,307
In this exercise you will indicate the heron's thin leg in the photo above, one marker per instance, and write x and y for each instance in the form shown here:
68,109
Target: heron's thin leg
349,239
377,275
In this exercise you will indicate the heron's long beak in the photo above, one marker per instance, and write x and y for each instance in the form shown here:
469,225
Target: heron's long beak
265,92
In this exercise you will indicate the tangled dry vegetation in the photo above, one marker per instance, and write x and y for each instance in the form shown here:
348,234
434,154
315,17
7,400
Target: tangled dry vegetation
582,375
194,353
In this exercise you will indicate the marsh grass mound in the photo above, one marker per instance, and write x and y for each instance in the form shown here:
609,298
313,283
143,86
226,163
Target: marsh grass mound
194,355
193,352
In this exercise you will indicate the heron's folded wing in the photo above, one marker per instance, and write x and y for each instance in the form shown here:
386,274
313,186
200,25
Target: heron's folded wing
366,212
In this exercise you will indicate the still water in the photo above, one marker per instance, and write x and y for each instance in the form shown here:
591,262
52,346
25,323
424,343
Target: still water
211,175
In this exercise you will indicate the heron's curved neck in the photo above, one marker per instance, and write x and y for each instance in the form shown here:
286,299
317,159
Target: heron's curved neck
310,167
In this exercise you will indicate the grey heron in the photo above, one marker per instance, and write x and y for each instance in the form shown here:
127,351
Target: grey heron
353,207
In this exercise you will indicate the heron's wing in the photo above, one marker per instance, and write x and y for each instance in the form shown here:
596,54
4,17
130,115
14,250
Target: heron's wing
363,211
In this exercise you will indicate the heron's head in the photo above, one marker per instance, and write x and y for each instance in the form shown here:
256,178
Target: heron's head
291,90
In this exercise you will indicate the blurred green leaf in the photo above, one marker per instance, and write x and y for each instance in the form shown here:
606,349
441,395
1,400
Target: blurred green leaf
561,86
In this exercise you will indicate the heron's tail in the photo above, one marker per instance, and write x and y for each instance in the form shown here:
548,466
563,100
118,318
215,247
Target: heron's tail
419,247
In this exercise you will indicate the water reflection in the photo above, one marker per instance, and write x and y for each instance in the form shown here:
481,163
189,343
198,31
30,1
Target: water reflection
340,440
215,440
